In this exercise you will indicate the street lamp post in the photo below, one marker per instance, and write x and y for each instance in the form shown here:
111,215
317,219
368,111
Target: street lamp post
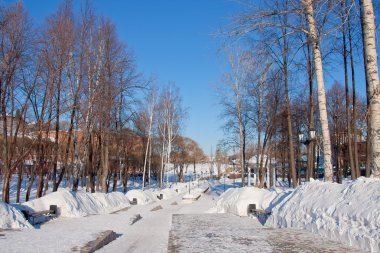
224,185
310,138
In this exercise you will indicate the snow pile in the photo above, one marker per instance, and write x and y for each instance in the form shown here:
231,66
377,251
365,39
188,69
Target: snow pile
11,218
167,193
181,187
194,194
236,200
79,204
348,212
143,197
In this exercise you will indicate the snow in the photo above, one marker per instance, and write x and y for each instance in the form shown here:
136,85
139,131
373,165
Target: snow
11,218
348,212
79,204
224,233
142,197
168,193
193,195
236,200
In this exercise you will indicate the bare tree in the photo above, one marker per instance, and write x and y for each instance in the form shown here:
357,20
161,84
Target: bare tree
151,98
170,120
14,38
234,97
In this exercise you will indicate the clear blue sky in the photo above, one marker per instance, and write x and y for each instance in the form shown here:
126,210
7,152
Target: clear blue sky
173,40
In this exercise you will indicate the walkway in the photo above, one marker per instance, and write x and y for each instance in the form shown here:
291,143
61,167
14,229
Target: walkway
229,233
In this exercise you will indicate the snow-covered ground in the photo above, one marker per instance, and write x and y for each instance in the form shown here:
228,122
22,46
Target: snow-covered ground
79,204
150,234
224,233
202,170
12,218
236,200
347,213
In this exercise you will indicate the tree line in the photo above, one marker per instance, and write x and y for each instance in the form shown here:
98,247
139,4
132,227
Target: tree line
278,53
74,106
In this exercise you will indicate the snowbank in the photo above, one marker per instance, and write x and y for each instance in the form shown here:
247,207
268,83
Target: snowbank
79,204
143,197
348,212
11,218
168,193
236,200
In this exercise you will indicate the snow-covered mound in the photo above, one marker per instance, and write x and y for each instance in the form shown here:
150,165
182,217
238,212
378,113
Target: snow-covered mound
236,200
11,218
143,197
192,195
79,204
167,193
181,187
348,212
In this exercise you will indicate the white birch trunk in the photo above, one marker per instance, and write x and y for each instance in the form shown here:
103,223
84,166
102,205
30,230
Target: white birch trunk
320,89
151,111
372,76
163,154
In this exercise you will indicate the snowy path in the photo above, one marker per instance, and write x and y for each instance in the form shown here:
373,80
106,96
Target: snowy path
150,234
229,233
191,226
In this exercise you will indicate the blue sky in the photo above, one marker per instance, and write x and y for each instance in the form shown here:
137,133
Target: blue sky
172,39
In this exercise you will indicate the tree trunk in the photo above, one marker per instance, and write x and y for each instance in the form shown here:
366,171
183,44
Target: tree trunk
320,88
30,186
354,119
289,128
46,187
310,153
372,77
5,154
162,165
149,165
19,182
90,164
242,155
348,118
56,143
105,162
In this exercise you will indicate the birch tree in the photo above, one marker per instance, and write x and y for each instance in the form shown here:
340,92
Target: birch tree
171,118
372,78
318,67
151,99
234,99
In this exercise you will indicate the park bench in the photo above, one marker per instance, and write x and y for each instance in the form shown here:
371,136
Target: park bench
252,210
33,217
